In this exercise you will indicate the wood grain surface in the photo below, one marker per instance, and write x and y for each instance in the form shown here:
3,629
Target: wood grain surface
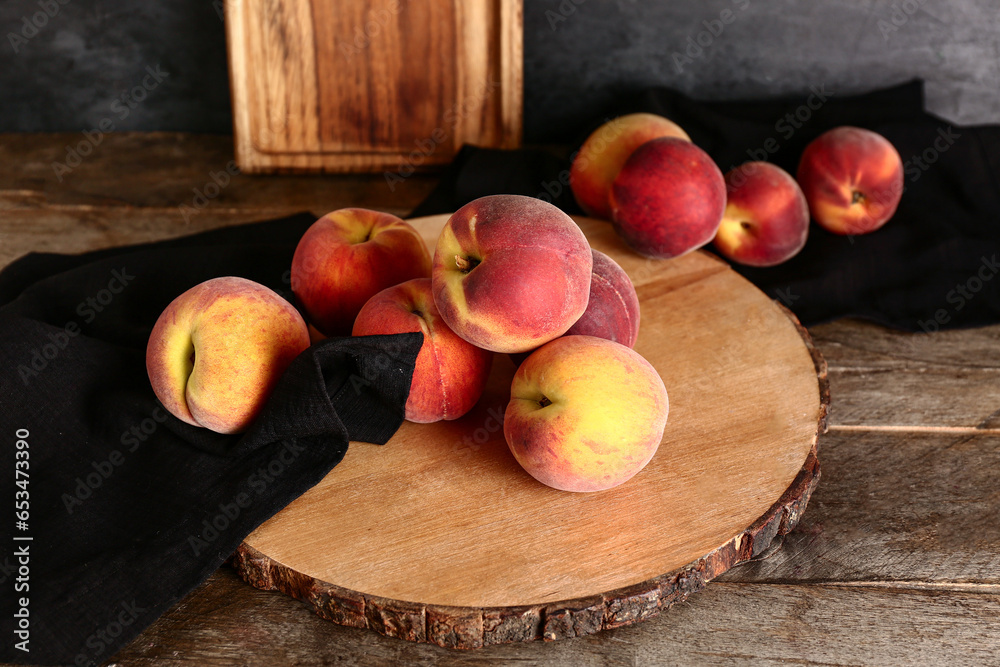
399,539
894,563
369,85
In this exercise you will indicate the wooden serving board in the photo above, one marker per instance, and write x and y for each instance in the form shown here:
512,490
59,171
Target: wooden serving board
371,85
440,536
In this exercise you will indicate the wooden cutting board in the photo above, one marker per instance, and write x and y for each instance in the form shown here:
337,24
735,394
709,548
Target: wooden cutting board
372,85
440,536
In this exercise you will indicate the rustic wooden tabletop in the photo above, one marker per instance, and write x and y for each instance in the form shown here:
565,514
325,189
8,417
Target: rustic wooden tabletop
896,561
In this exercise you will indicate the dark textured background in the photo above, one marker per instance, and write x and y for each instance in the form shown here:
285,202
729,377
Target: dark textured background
68,75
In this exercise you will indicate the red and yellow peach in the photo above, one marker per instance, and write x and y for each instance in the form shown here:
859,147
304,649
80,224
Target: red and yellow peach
852,179
585,414
613,309
604,153
348,256
450,373
217,351
766,220
668,198
511,273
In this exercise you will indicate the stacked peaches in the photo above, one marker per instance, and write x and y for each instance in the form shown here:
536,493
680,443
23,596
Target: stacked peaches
509,274
665,196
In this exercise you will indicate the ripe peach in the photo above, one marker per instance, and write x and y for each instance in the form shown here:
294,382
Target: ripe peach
605,151
668,199
217,351
852,179
450,373
348,256
511,273
766,220
585,414
613,309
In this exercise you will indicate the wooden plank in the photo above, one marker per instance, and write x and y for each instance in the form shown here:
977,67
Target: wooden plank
170,170
367,85
883,378
75,230
955,398
226,622
820,625
858,345
912,510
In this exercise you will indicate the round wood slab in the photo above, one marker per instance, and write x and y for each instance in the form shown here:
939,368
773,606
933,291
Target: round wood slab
440,536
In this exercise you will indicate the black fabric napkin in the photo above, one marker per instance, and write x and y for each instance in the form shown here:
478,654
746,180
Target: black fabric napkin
128,508
932,266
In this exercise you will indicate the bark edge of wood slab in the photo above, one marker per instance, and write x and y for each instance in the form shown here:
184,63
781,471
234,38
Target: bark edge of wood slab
470,628
465,626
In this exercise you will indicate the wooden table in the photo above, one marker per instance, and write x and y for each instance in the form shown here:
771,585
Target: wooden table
896,561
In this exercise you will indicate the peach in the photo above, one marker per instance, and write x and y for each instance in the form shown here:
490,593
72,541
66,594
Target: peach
668,199
613,309
852,179
511,273
450,373
348,256
766,220
217,351
604,153
585,414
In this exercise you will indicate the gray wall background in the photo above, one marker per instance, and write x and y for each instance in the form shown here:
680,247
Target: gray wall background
579,54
